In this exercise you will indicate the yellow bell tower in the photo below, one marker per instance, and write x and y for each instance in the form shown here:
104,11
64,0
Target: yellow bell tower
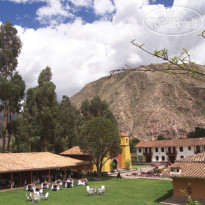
125,154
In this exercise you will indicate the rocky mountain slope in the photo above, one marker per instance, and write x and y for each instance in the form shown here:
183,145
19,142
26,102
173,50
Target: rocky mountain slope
147,104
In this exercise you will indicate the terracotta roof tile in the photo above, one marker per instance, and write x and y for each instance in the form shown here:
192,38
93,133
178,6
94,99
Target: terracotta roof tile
122,134
74,151
191,167
172,143
13,162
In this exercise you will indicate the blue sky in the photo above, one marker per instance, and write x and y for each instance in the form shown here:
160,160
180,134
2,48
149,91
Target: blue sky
82,40
25,14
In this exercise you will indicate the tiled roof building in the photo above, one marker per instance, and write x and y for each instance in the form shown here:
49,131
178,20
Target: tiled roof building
170,150
74,151
119,161
188,174
19,169
191,167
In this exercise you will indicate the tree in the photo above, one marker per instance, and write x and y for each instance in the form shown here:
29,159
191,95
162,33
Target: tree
40,115
199,132
161,137
140,158
99,136
95,108
133,143
11,94
10,47
69,120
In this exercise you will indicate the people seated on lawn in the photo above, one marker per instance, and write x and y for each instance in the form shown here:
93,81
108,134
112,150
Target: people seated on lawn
82,182
59,181
55,187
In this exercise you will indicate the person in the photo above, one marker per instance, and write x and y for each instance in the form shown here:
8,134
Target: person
118,175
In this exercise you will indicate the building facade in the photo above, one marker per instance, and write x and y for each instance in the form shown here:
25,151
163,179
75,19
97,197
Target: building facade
188,174
170,150
120,160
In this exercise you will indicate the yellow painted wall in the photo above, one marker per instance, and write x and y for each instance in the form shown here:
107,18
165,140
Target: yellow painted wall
106,166
125,154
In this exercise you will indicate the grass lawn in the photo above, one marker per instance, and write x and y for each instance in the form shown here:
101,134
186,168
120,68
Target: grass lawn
138,166
118,192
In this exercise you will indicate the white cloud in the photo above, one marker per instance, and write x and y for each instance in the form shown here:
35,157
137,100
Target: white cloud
102,7
79,53
53,13
85,3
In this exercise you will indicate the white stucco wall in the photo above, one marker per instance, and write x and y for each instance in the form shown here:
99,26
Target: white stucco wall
185,153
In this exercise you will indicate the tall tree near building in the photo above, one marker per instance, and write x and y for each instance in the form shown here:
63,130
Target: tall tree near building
40,115
11,94
100,137
69,120
47,107
10,47
95,108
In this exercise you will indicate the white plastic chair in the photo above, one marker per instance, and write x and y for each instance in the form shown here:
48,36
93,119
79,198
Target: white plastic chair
45,196
89,191
36,198
44,186
55,187
28,197
103,189
80,183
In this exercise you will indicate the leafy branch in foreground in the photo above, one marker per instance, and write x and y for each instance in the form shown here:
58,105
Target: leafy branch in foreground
189,199
183,62
202,34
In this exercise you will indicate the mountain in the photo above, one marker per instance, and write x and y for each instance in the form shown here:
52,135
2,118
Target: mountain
147,104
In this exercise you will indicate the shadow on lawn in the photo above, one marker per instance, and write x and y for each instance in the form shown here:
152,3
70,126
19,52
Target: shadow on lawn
167,195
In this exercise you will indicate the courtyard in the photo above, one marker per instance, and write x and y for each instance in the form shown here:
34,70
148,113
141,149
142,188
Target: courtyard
118,191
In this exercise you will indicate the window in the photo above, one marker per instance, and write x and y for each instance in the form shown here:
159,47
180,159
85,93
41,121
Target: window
189,147
162,149
181,149
157,158
163,158
176,170
182,157
198,149
156,149
139,150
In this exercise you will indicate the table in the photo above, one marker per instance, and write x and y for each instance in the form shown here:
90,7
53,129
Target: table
95,189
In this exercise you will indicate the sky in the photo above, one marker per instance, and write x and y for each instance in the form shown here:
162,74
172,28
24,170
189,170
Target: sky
82,40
